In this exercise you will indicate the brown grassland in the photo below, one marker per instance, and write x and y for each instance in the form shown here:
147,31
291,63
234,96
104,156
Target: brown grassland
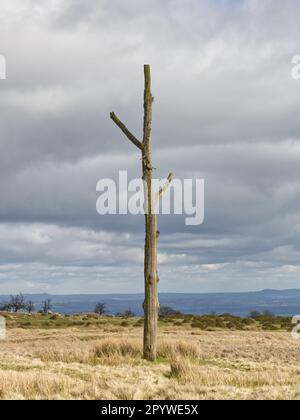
100,358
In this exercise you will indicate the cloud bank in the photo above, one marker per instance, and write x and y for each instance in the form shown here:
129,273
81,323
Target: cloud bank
226,109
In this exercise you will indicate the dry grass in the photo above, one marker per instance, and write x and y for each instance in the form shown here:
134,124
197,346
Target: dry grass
95,363
115,349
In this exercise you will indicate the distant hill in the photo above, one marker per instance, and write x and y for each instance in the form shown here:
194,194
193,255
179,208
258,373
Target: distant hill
280,302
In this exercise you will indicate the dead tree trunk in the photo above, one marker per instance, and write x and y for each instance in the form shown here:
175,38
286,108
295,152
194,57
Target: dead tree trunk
151,305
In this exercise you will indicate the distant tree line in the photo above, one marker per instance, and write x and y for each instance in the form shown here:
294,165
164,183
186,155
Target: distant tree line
164,311
263,314
101,309
169,312
18,303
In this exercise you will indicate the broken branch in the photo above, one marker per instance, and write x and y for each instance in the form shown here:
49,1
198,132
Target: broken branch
125,130
163,189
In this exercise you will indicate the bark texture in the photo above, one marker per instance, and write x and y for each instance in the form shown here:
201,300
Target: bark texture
151,304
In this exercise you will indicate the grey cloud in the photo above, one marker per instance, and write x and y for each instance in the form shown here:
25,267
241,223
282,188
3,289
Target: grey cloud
226,109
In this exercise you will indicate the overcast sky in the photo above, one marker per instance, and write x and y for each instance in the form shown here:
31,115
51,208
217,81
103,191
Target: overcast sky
226,109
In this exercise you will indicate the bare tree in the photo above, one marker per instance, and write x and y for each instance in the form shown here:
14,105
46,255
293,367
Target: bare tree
151,304
5,307
100,308
254,314
128,313
167,311
17,303
46,306
30,306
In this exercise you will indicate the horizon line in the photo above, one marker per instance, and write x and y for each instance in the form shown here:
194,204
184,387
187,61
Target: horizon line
141,293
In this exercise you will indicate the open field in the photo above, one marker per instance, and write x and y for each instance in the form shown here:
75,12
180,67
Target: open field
100,358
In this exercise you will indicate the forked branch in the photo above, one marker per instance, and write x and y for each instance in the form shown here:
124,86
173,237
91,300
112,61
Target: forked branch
125,130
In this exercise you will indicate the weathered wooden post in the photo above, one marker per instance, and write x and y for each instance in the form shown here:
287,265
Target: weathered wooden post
151,304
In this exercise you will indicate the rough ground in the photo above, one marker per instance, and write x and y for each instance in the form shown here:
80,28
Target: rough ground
104,362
